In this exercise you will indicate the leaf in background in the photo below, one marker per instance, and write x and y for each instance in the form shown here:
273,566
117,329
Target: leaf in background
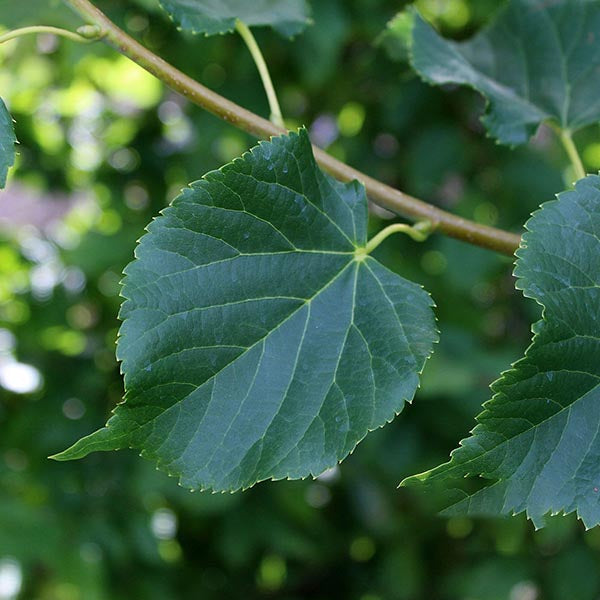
256,341
536,446
396,38
326,39
7,143
210,17
539,61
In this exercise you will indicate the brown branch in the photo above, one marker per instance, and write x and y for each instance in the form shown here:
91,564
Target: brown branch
380,193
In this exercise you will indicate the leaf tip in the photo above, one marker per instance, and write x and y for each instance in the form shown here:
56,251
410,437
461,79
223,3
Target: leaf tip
65,455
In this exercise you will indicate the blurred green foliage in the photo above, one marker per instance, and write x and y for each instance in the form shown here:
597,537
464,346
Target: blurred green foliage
103,147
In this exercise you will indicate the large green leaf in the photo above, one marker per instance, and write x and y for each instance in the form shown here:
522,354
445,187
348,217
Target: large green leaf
7,143
258,339
540,60
210,17
536,447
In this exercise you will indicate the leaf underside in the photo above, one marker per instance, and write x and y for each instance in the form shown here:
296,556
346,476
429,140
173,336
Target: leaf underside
256,343
539,61
288,17
7,143
536,447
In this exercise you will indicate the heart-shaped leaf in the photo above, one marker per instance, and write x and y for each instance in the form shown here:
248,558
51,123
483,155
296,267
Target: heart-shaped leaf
7,143
210,17
258,339
539,61
536,447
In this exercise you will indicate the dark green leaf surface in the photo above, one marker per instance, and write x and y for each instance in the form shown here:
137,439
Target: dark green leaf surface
540,60
536,447
7,143
257,342
210,17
